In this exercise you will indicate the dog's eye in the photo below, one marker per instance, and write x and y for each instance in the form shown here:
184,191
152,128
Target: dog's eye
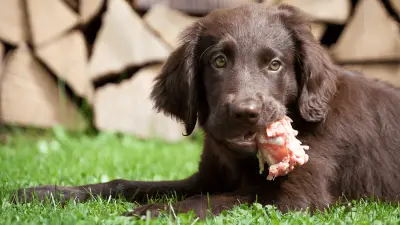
220,62
274,65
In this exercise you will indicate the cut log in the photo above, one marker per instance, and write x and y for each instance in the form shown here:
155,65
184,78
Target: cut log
67,57
371,34
318,30
396,5
74,4
168,23
126,107
385,72
120,45
332,11
49,19
90,9
189,6
30,97
13,27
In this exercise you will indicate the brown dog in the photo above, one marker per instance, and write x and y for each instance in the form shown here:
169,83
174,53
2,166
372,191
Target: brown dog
237,71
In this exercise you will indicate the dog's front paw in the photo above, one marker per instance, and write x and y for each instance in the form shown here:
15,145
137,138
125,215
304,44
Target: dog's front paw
154,210
48,192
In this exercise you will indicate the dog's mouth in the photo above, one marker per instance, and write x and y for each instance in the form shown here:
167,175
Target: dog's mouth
246,142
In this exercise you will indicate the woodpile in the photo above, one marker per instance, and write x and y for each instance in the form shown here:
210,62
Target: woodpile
132,111
124,41
56,54
43,29
368,37
72,66
370,42
29,95
176,22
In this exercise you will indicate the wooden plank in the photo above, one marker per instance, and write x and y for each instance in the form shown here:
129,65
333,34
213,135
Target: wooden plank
90,9
13,28
132,110
168,23
385,72
332,11
371,34
30,97
67,57
49,19
190,6
120,45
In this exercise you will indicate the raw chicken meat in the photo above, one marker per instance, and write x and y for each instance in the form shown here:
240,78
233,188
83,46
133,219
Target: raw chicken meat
280,149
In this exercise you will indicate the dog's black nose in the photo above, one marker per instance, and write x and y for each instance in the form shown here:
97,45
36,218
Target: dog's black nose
247,111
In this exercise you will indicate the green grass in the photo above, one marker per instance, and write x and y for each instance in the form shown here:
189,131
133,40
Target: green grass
67,159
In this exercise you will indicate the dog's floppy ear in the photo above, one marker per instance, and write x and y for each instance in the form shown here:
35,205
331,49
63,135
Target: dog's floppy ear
175,88
317,80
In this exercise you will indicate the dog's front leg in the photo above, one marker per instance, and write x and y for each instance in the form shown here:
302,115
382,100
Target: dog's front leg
131,190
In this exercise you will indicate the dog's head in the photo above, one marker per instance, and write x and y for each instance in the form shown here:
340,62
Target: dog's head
238,69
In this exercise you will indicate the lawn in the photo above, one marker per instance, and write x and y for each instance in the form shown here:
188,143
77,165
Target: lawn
70,159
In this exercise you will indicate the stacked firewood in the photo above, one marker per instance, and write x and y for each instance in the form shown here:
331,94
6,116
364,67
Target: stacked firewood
57,56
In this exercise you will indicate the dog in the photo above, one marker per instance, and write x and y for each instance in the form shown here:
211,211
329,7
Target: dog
236,71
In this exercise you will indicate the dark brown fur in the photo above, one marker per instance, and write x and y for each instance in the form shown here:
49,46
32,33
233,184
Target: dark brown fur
350,123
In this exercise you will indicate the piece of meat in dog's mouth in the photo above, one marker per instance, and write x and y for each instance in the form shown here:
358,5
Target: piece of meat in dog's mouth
279,148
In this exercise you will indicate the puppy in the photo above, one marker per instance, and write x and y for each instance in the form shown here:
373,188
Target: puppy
237,71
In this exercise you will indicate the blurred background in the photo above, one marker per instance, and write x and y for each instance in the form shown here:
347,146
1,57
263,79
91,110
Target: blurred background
88,65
